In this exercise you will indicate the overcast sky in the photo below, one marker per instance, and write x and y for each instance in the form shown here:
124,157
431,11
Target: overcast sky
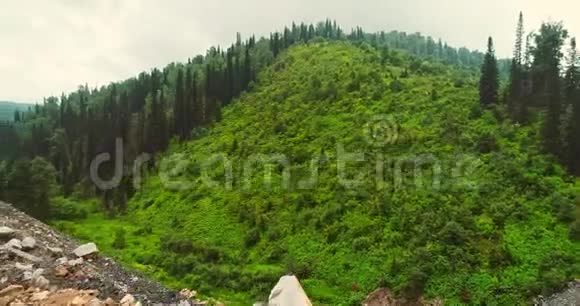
49,47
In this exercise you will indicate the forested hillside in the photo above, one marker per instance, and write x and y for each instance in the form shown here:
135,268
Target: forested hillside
147,111
354,161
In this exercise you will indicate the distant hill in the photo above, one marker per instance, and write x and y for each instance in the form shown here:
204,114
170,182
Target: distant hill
7,109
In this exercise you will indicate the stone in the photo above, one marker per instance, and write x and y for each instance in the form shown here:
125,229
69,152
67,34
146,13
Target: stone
27,275
62,261
61,271
127,300
110,302
95,302
86,249
14,243
21,254
23,267
79,300
55,251
75,262
28,243
39,296
289,292
183,303
41,282
10,290
10,293
6,232
187,294
37,273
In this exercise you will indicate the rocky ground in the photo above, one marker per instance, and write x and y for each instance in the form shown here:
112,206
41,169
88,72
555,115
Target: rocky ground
39,266
569,297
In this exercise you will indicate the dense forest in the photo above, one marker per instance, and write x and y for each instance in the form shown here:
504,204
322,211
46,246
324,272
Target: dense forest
493,217
148,111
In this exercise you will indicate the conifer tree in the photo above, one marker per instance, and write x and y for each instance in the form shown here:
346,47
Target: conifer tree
572,95
489,81
546,68
515,99
518,50
178,110
188,101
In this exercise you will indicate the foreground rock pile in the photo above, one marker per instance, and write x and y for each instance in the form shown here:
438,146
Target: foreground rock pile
39,266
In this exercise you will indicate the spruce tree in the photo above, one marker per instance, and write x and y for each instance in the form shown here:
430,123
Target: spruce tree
572,96
489,81
518,54
516,102
178,109
546,68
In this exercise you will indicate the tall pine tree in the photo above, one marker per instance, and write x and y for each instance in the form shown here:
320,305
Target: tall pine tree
489,81
572,96
546,68
179,107
516,102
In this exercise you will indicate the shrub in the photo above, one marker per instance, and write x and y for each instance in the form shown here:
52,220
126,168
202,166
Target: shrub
65,209
120,241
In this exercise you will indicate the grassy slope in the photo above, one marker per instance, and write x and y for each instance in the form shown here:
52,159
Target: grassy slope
488,235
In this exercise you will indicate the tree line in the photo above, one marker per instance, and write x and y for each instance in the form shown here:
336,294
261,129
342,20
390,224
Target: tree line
543,81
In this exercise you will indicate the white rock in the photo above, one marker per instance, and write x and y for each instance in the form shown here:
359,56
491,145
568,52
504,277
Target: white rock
56,251
5,231
22,267
127,300
86,249
37,273
28,243
27,275
14,243
40,281
62,261
75,262
183,303
289,292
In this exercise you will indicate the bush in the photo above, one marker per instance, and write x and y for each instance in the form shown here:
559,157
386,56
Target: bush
361,244
252,238
396,86
65,209
120,241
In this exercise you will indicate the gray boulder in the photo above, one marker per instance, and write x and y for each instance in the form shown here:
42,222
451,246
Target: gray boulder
86,249
28,243
14,243
6,232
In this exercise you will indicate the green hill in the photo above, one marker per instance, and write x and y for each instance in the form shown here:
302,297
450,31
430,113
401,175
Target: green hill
7,109
443,199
